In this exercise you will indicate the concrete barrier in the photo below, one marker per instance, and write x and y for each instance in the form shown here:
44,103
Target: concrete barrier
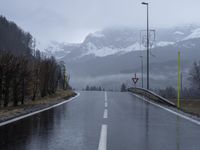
151,95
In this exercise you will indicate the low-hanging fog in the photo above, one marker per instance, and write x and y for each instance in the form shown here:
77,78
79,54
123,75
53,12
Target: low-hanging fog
111,56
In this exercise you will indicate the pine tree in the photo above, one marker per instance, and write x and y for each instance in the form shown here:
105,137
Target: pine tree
123,87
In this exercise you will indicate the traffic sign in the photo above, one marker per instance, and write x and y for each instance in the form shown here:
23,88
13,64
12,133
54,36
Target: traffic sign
135,79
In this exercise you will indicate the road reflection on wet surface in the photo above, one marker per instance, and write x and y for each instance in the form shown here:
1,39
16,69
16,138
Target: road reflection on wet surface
132,124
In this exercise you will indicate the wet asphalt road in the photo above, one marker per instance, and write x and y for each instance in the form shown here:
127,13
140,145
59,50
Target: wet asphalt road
99,121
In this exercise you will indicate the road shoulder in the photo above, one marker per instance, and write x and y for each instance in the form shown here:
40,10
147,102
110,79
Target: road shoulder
11,114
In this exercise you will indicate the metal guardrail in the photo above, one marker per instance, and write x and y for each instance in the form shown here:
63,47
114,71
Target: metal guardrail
151,95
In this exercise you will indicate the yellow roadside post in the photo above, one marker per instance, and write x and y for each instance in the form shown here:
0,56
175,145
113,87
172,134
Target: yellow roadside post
179,79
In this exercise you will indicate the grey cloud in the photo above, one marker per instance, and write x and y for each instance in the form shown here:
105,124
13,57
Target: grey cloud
71,20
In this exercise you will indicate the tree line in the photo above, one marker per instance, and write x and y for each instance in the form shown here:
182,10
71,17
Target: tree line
94,88
191,92
25,73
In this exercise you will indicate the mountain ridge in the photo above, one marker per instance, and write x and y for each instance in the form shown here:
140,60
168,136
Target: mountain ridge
112,55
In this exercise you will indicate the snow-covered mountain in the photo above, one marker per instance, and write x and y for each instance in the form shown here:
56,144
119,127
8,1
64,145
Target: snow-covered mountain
118,41
193,35
110,57
60,50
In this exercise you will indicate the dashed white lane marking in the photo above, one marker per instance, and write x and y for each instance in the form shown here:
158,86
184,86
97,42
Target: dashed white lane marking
171,111
106,97
105,114
103,135
103,138
106,104
39,111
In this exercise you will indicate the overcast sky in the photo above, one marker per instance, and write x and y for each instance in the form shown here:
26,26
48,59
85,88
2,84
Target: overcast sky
72,20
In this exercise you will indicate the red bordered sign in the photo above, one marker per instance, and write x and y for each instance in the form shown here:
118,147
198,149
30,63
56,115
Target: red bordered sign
135,79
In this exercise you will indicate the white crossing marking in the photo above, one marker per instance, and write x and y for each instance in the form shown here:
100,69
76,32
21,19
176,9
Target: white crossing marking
103,138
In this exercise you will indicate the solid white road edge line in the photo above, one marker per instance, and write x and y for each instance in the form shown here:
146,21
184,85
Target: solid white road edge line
169,110
36,112
103,138
105,114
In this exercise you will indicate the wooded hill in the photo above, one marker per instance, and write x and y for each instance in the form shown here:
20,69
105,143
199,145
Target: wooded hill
24,72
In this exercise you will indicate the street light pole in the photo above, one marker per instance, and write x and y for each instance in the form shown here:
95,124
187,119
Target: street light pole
147,4
142,68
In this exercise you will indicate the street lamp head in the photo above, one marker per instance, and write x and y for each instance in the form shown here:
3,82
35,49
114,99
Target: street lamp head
144,3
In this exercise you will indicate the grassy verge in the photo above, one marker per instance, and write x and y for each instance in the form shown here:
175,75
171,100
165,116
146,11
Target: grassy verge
190,106
30,106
